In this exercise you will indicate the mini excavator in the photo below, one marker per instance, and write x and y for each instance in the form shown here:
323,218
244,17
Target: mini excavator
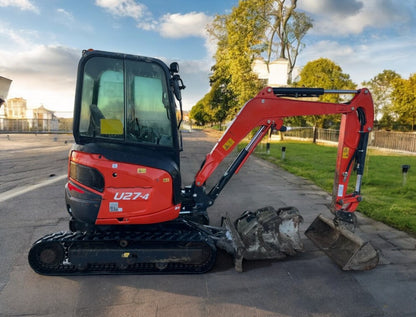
129,213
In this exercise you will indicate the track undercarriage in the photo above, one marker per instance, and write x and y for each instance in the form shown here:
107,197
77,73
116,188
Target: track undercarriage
175,247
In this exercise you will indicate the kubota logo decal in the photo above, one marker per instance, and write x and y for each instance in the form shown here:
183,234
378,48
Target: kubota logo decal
131,196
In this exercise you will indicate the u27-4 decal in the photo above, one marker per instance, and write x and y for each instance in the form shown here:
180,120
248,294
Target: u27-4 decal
131,196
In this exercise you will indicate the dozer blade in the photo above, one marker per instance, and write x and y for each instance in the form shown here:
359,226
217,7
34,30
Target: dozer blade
346,249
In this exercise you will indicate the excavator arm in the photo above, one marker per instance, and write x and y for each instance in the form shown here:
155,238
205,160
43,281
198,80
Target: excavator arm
267,111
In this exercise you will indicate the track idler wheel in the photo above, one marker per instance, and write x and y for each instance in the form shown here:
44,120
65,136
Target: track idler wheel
46,256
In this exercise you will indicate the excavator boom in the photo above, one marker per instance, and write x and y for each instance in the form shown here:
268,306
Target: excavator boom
269,108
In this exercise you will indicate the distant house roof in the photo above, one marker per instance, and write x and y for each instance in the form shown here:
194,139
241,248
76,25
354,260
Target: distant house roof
43,110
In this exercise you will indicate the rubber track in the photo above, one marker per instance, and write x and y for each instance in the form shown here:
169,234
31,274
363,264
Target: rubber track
68,241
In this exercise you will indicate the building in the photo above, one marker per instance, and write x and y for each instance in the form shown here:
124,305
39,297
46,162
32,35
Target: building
17,117
276,75
15,108
44,119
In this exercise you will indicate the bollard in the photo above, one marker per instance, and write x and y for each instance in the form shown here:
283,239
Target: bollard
283,152
405,169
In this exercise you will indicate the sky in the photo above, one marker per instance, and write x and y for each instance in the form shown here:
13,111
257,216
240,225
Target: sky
41,40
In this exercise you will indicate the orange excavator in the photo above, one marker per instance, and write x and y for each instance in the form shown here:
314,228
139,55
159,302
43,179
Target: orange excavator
129,213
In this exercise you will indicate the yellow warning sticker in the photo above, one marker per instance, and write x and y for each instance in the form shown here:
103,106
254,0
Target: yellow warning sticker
141,171
111,126
166,180
345,152
228,144
125,255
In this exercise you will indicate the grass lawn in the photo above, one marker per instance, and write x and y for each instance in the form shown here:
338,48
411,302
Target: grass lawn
386,198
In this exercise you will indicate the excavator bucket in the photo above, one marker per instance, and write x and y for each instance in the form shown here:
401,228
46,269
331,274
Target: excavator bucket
346,249
266,233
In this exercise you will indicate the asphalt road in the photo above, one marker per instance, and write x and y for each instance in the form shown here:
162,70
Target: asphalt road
32,204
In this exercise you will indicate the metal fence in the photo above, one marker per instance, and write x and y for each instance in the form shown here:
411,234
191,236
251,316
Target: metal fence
307,133
399,141
59,125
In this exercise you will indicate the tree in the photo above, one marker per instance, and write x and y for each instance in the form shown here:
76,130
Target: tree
221,100
289,26
238,37
387,122
200,113
324,73
381,87
253,28
245,33
404,100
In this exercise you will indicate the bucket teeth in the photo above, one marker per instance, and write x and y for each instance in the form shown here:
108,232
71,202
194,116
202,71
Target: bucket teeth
346,249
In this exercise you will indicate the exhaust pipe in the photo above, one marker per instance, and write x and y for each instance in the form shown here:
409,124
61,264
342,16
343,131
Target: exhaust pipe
346,249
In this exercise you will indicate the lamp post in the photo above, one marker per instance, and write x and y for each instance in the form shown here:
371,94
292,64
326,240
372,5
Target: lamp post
405,169
283,152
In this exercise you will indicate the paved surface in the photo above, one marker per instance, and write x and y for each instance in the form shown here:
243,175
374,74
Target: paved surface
309,284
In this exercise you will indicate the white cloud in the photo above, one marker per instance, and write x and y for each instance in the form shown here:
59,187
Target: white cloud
42,75
46,75
178,25
328,49
13,39
338,7
69,18
25,5
340,18
124,8
171,25
364,61
363,37
193,24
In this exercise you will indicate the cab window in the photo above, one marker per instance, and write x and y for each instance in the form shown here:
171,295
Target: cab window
126,101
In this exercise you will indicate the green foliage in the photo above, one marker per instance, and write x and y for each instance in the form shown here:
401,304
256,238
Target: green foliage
201,113
404,100
221,100
252,28
381,87
385,197
324,73
245,32
387,122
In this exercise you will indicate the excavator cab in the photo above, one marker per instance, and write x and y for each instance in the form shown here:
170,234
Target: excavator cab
121,100
124,167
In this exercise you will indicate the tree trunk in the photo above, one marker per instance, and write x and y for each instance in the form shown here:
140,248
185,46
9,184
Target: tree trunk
315,133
